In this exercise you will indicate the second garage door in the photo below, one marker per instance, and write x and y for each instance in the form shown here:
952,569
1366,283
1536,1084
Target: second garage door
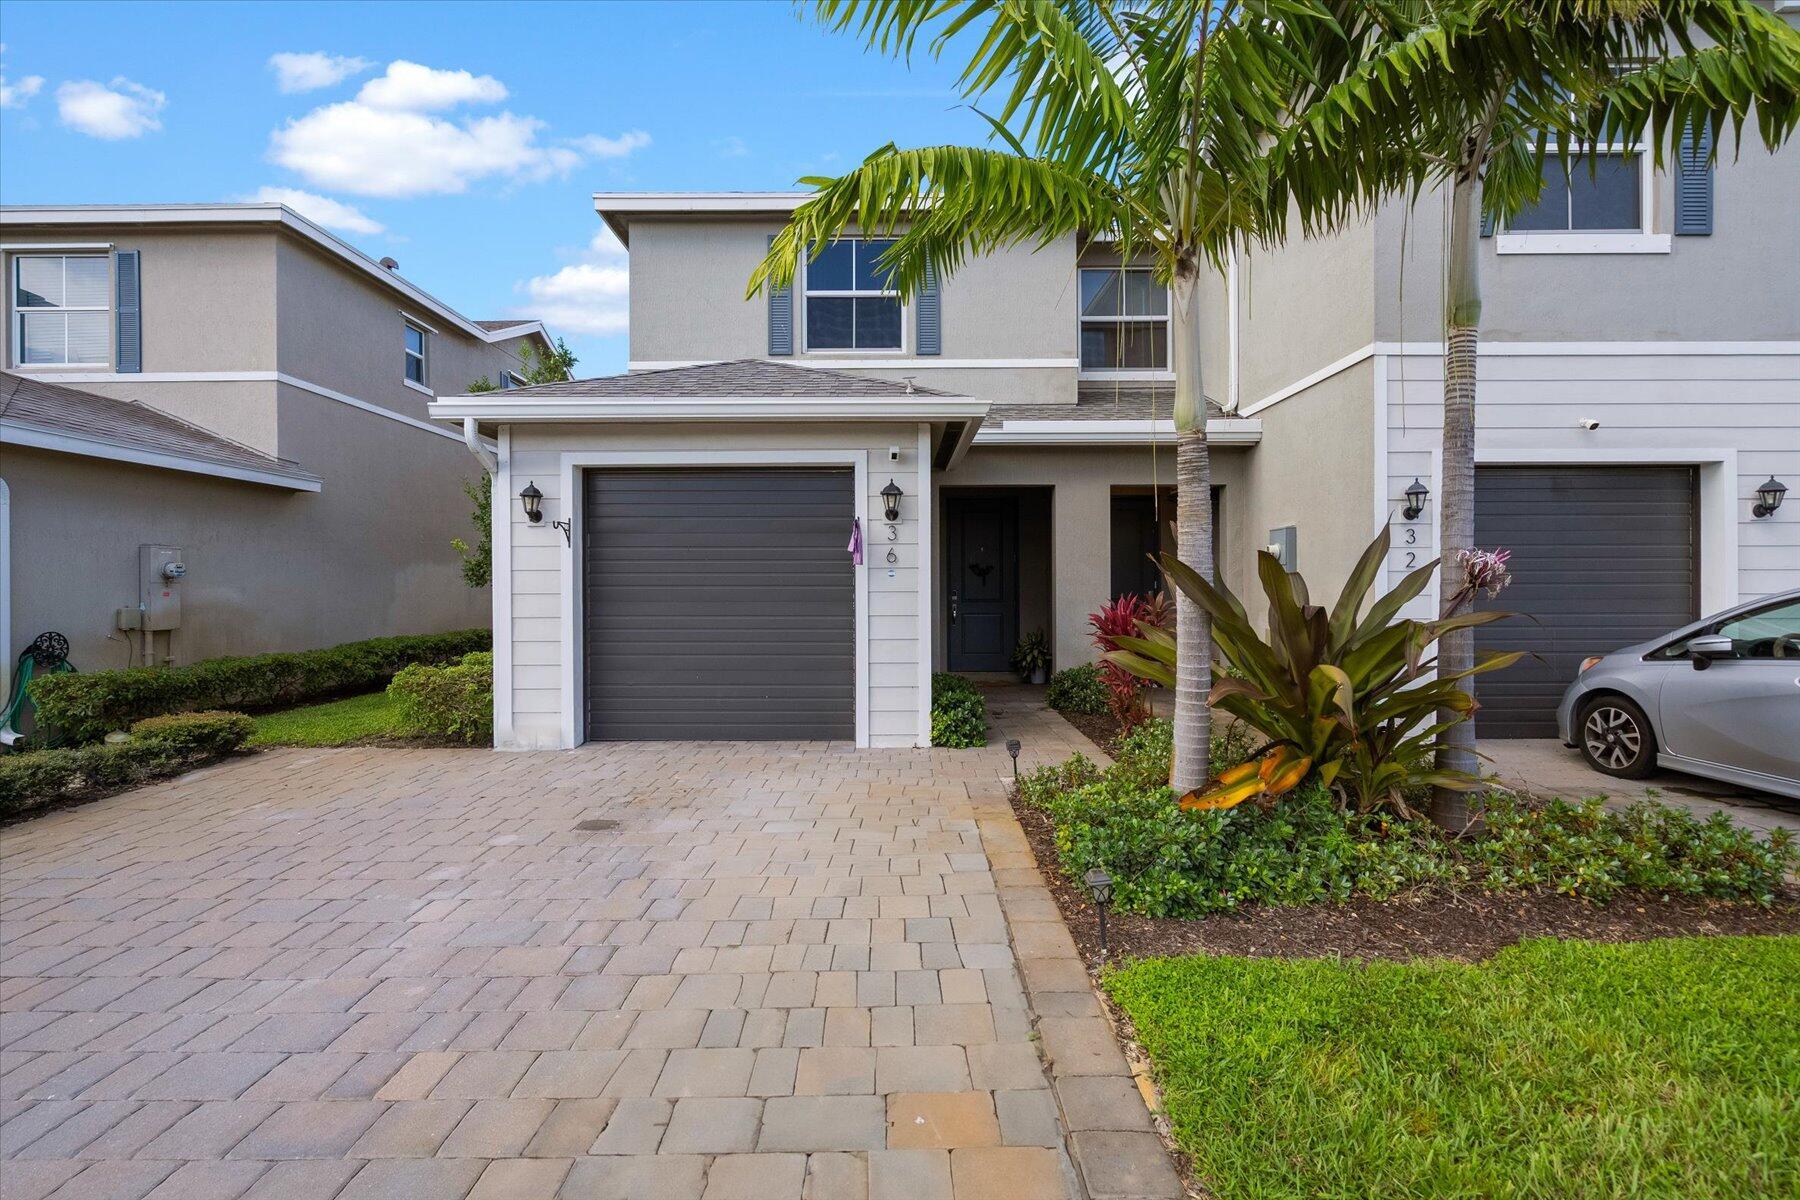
1602,557
719,604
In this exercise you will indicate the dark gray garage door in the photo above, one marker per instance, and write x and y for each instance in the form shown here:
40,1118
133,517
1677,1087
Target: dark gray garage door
719,604
1602,557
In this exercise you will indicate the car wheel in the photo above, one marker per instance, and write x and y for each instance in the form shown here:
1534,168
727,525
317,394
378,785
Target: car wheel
1615,737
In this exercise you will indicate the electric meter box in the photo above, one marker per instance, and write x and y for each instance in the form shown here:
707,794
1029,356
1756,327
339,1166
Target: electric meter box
160,569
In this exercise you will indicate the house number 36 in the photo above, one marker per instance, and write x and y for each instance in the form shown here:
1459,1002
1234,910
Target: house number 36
893,532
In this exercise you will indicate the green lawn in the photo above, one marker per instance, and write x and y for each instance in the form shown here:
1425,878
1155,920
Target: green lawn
1565,1070
338,723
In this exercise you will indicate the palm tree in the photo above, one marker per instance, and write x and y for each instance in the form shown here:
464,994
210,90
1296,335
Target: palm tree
1476,95
1144,123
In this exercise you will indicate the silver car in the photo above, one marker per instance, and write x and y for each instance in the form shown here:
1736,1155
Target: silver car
1719,698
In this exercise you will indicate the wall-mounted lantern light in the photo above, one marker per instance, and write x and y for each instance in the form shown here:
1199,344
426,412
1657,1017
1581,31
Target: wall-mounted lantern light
533,500
1416,495
1768,497
890,500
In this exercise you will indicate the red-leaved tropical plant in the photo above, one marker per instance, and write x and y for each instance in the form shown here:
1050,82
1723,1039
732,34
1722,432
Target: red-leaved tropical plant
1125,617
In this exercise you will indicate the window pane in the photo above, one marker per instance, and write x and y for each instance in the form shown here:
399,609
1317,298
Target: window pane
1099,293
86,281
878,324
415,340
1124,345
834,269
829,323
41,339
1607,198
1551,212
1144,297
415,368
1771,633
87,337
40,283
869,276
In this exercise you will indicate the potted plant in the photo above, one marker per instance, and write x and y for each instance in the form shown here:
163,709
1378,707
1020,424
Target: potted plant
1031,657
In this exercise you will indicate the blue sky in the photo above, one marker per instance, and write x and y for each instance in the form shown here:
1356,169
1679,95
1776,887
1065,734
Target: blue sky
473,159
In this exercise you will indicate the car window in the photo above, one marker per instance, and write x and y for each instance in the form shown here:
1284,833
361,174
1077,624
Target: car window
1772,632
1767,633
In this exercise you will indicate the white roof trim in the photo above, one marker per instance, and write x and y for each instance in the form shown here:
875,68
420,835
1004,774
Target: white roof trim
522,329
484,407
225,214
1220,431
616,208
17,433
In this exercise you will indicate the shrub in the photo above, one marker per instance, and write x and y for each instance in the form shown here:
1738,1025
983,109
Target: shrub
157,748
1588,850
456,701
1125,616
85,708
958,712
1078,690
199,734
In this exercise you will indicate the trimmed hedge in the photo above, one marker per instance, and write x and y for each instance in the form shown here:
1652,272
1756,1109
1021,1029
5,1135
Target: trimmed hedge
85,708
1078,690
958,712
456,701
158,747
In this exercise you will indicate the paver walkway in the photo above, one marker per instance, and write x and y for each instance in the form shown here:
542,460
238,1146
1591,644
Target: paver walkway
784,972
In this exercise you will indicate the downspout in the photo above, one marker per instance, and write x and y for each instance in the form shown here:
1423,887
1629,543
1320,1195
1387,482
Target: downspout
472,439
7,735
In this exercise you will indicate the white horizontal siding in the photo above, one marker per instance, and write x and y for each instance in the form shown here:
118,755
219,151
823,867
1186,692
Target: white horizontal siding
1741,409
895,641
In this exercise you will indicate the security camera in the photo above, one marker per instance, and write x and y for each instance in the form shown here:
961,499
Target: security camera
1588,423
893,454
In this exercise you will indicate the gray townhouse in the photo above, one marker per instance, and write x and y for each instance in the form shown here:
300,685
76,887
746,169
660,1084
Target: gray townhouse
674,549
214,436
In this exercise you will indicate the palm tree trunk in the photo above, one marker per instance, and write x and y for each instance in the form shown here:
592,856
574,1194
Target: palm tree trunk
1193,542
1456,490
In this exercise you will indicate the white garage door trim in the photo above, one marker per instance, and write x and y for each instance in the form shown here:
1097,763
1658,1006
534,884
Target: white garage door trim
573,462
1718,501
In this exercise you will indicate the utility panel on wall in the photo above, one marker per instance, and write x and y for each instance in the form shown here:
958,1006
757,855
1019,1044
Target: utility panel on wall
1284,545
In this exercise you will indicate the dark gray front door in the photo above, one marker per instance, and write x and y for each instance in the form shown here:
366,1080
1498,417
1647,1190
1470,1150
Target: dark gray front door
719,604
1602,557
982,577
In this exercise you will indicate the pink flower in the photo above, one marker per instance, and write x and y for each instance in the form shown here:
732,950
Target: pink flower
1485,570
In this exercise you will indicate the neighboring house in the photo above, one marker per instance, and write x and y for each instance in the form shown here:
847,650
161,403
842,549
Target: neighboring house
234,383
1027,397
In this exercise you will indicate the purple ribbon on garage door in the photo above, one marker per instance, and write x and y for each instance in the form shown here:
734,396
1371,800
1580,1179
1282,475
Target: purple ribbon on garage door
855,546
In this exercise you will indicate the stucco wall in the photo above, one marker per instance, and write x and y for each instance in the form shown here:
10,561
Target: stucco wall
1302,305
268,569
688,304
538,558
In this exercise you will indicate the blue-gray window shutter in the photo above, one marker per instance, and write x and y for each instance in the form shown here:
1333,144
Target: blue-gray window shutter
929,312
781,318
129,324
1694,183
1487,224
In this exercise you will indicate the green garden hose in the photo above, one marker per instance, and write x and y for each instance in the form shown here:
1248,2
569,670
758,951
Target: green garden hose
48,654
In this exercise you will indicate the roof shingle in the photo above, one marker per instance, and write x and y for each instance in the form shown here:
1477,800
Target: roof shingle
53,408
1100,401
725,380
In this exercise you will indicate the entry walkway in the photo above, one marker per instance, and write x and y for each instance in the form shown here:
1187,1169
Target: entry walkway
648,971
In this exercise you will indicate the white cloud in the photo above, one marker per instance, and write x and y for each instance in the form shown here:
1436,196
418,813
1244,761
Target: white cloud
14,95
409,87
619,147
586,297
387,141
333,214
732,147
120,109
309,72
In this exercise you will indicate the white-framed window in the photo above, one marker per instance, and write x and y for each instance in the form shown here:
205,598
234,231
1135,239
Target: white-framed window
850,304
510,380
1600,203
418,343
61,310
1124,320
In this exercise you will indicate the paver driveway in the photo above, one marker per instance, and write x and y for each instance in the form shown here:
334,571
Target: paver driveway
396,973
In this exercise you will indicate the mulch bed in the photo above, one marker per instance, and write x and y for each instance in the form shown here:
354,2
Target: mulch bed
1468,925
1098,728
